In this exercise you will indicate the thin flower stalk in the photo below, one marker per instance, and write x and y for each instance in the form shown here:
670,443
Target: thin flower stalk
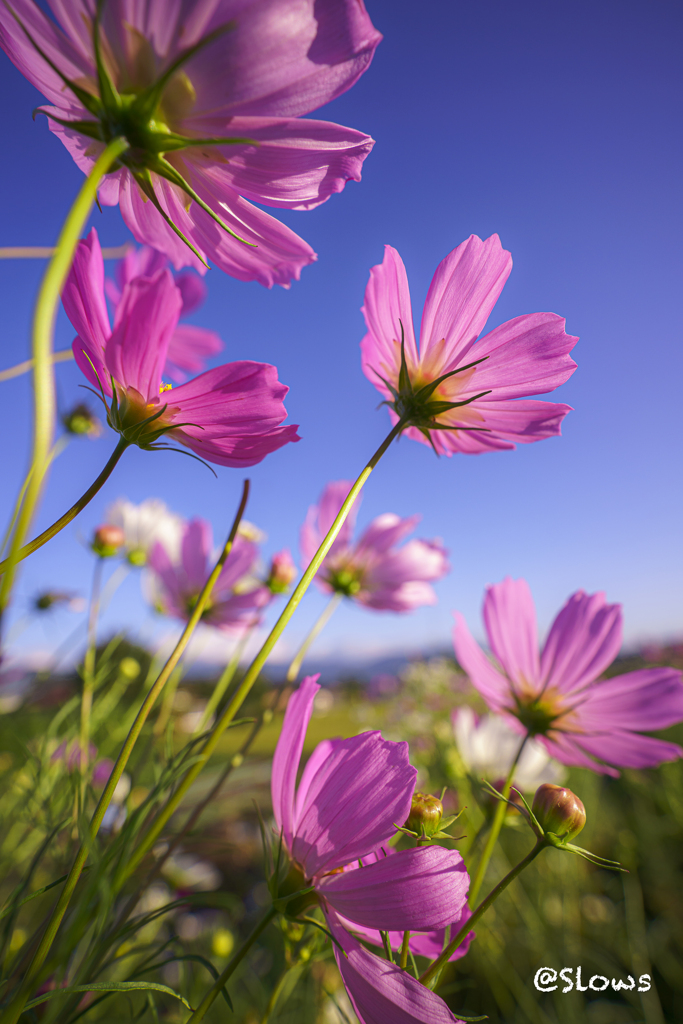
317,628
16,1007
147,841
89,664
21,368
225,678
43,362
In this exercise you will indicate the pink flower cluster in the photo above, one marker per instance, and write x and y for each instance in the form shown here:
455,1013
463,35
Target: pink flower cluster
335,826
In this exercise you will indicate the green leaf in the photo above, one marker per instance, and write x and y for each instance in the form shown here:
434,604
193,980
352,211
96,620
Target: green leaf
110,986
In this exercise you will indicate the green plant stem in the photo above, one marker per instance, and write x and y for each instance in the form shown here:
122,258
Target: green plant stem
215,989
7,567
405,949
318,626
225,678
14,1010
43,362
89,666
496,825
147,842
277,990
434,969
21,368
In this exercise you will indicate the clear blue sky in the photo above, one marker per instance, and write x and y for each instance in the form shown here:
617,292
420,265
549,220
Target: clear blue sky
556,125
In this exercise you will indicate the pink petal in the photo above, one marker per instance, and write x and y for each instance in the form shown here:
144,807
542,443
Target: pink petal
195,552
384,532
629,749
149,227
167,575
242,558
462,294
382,993
288,754
584,639
193,291
146,318
386,308
404,597
565,748
416,560
525,356
85,305
358,793
494,687
313,765
189,349
239,611
510,620
416,890
320,517
650,698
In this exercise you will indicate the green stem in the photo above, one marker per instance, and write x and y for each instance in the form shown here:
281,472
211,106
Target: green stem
226,678
496,826
318,626
21,368
89,666
146,842
215,989
14,1010
277,991
43,362
443,958
405,949
10,562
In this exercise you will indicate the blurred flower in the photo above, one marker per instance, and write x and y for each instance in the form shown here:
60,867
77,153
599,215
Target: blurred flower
107,540
174,583
374,571
188,873
210,98
488,746
49,599
456,393
282,572
230,415
189,346
80,420
351,794
143,525
558,696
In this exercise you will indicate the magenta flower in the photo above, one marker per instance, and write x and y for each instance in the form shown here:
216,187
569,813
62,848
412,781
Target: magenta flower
190,346
374,571
456,393
351,795
558,696
230,415
210,97
175,584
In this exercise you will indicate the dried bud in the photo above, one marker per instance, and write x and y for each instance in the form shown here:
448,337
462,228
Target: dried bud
558,810
107,540
81,421
282,572
426,812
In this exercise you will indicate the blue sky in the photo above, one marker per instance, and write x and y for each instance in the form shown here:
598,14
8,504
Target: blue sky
555,125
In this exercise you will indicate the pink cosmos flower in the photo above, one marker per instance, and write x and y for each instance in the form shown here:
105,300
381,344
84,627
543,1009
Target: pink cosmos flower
190,346
351,795
210,96
456,393
230,415
374,571
557,696
175,584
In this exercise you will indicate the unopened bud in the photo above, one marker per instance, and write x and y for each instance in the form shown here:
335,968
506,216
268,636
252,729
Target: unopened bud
282,572
107,540
81,421
558,810
426,812
52,598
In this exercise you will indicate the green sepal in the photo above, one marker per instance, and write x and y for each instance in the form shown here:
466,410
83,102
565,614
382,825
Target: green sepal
109,94
428,389
169,172
145,182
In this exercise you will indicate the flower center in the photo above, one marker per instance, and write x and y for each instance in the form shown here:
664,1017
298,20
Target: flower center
346,581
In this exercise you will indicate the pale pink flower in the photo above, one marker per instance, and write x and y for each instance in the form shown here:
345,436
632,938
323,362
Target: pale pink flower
174,583
374,571
210,95
454,392
190,346
557,695
230,415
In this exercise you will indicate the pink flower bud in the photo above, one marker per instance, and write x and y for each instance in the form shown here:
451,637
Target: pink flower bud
558,810
426,812
282,572
107,540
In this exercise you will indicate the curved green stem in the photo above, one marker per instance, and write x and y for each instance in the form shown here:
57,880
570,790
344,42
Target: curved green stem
318,626
14,1010
146,842
215,989
43,363
89,667
69,516
496,825
434,969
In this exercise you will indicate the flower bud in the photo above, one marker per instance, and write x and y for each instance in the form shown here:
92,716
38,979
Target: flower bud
81,421
558,810
282,572
107,540
426,812
48,599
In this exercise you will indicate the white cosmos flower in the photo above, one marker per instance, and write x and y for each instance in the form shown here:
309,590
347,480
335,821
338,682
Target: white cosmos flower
145,524
488,747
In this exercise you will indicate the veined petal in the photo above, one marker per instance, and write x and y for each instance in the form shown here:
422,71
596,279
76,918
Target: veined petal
510,620
386,307
358,793
195,551
584,640
630,749
188,350
565,748
148,226
85,305
146,318
288,755
239,563
313,765
492,685
648,699
415,890
462,294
